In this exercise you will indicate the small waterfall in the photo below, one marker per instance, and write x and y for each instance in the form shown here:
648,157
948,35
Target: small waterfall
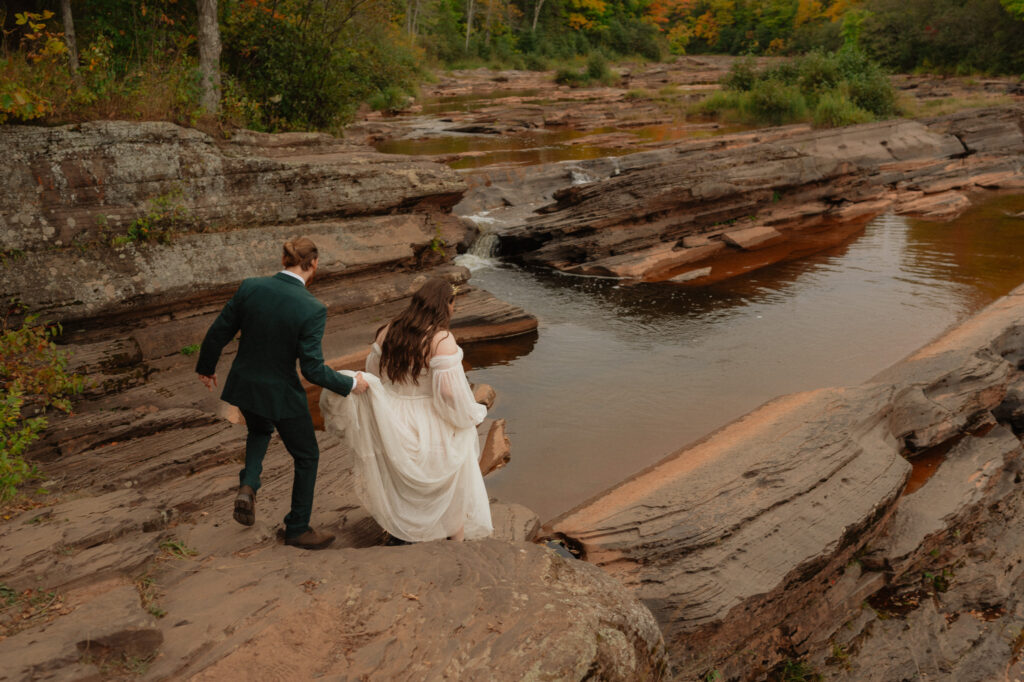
482,253
485,246
579,176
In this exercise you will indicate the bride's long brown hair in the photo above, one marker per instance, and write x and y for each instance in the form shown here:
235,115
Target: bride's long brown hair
407,344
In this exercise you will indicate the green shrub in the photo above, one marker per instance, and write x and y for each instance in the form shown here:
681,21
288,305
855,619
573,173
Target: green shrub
786,72
775,103
20,99
391,99
874,93
742,75
165,215
536,62
719,103
942,35
596,71
571,77
35,380
829,89
834,110
597,68
818,72
28,73
308,66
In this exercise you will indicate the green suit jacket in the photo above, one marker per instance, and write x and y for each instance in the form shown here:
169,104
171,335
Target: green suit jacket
281,322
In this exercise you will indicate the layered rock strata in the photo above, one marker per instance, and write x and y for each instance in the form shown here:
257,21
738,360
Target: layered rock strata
740,201
141,569
646,98
156,577
759,543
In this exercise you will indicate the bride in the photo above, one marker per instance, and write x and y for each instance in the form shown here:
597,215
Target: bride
413,432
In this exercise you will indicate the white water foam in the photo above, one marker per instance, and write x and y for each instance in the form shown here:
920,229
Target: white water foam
482,218
580,177
474,262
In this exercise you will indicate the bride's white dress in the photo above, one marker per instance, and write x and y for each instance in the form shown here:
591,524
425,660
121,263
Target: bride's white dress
416,450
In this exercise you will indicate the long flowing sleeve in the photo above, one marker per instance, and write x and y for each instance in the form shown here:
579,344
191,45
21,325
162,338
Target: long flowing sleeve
373,360
453,398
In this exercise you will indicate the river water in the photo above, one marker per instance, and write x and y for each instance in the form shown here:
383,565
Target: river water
619,376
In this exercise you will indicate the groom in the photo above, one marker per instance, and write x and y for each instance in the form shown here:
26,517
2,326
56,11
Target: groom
281,322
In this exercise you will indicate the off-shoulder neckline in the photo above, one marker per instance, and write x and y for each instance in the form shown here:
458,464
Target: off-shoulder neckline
432,357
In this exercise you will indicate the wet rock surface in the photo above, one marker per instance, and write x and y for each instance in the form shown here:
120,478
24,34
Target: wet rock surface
763,542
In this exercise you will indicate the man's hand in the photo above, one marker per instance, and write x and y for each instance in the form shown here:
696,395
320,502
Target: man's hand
361,385
209,380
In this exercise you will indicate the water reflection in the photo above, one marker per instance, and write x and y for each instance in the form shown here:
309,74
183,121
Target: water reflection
620,376
974,258
472,101
547,145
499,351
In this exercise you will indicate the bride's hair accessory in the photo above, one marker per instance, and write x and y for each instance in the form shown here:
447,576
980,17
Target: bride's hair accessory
455,290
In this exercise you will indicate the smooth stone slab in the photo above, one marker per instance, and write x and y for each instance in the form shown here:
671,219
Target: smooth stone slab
752,238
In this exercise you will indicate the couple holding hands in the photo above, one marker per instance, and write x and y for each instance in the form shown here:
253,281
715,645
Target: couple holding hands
410,418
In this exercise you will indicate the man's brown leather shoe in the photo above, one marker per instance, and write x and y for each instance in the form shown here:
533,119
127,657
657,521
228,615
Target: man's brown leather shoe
245,506
311,539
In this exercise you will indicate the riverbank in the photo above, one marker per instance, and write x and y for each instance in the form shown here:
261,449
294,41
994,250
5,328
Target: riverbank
480,118
129,564
702,211
685,361
133,548
792,531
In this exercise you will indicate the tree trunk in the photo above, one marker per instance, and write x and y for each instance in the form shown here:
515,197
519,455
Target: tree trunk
487,22
416,19
209,56
536,15
469,23
69,38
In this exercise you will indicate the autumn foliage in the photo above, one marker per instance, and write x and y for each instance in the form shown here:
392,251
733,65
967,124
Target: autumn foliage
34,381
310,64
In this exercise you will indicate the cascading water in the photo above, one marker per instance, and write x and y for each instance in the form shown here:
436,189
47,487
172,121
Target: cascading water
485,246
580,176
482,253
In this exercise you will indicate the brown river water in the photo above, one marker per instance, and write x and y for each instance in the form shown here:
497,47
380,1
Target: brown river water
619,376
535,146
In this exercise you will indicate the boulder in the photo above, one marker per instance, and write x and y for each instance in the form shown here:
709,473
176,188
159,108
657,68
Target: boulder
474,611
484,394
496,451
514,522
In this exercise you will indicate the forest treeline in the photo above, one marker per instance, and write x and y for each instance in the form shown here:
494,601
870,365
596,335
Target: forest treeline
309,64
